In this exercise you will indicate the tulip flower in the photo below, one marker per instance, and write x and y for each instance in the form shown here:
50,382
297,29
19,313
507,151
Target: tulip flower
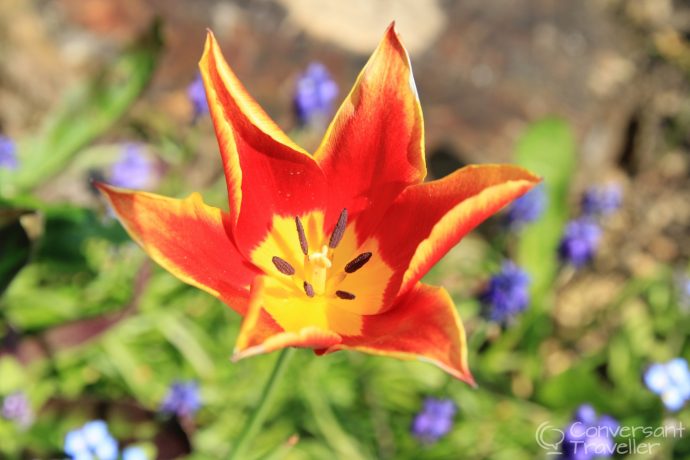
326,251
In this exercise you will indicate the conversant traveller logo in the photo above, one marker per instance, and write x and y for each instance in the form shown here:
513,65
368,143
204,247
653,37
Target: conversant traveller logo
580,440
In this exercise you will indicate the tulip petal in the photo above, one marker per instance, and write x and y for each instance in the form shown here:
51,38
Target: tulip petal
428,219
374,147
285,323
266,173
424,325
188,238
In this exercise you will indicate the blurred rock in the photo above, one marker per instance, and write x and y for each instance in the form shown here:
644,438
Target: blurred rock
357,25
484,70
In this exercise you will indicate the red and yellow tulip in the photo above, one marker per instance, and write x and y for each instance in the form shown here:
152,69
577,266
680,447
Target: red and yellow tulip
326,251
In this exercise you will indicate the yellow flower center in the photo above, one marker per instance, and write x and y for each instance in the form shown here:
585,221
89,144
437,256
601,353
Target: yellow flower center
317,280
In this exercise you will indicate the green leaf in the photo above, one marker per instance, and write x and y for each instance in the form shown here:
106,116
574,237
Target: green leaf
548,149
325,419
87,114
129,365
181,334
13,375
15,244
561,391
67,231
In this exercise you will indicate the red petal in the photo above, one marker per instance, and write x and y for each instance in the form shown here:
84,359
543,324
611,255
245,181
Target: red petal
374,147
428,219
187,238
422,325
266,173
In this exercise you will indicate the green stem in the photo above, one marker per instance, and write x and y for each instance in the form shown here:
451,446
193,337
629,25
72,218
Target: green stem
257,418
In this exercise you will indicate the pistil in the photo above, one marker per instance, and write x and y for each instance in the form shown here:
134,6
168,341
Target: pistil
320,264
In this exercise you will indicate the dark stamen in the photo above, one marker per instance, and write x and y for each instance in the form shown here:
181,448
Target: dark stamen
308,289
358,262
345,295
302,237
283,266
339,230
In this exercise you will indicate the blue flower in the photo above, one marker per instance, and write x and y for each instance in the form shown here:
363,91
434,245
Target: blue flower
132,170
182,399
671,381
8,153
588,436
134,453
602,200
197,96
434,421
91,442
315,93
528,208
16,407
507,293
579,242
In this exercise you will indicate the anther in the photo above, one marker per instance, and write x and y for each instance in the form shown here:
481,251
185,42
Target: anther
339,230
302,237
345,295
283,266
358,262
308,289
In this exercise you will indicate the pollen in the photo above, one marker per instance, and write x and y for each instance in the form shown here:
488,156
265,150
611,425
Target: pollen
358,262
304,246
345,295
339,230
308,289
283,266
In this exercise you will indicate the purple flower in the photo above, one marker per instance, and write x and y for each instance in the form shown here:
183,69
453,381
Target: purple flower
528,208
434,421
182,399
133,169
579,242
671,381
588,436
16,407
507,293
8,153
90,442
602,200
315,93
197,96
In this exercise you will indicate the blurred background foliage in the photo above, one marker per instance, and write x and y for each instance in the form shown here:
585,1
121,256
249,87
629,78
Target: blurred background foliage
584,93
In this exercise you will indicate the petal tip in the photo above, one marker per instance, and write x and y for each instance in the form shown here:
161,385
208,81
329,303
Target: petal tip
391,28
97,184
238,355
460,373
209,46
468,378
392,36
107,190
